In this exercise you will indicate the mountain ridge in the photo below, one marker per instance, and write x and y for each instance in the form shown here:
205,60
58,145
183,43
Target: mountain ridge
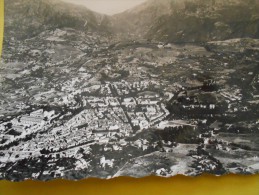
158,20
192,20
27,18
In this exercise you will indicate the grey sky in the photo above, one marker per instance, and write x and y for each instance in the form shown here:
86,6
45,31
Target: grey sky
107,6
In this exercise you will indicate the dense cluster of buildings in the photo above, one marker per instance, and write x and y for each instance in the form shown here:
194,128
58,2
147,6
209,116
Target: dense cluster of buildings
84,96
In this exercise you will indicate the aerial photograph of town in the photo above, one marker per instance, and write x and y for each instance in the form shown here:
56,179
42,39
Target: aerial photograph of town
94,88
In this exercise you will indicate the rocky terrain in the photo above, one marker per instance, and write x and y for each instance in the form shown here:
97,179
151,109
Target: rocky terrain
28,18
191,20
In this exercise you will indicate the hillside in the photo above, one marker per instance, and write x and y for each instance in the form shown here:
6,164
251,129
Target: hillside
138,20
191,20
160,20
28,18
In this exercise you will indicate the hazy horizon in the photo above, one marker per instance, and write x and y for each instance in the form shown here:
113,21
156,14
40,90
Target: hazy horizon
109,7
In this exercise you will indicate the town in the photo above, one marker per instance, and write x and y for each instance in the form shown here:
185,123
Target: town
87,107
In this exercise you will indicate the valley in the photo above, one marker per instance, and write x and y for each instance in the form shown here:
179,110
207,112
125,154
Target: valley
79,101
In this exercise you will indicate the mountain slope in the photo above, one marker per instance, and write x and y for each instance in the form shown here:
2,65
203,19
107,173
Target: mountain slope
27,18
191,20
138,20
160,20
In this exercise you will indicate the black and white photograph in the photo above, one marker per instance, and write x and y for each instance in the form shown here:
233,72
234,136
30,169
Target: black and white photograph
110,88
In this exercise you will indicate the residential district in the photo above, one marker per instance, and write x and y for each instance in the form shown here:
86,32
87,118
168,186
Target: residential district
87,108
